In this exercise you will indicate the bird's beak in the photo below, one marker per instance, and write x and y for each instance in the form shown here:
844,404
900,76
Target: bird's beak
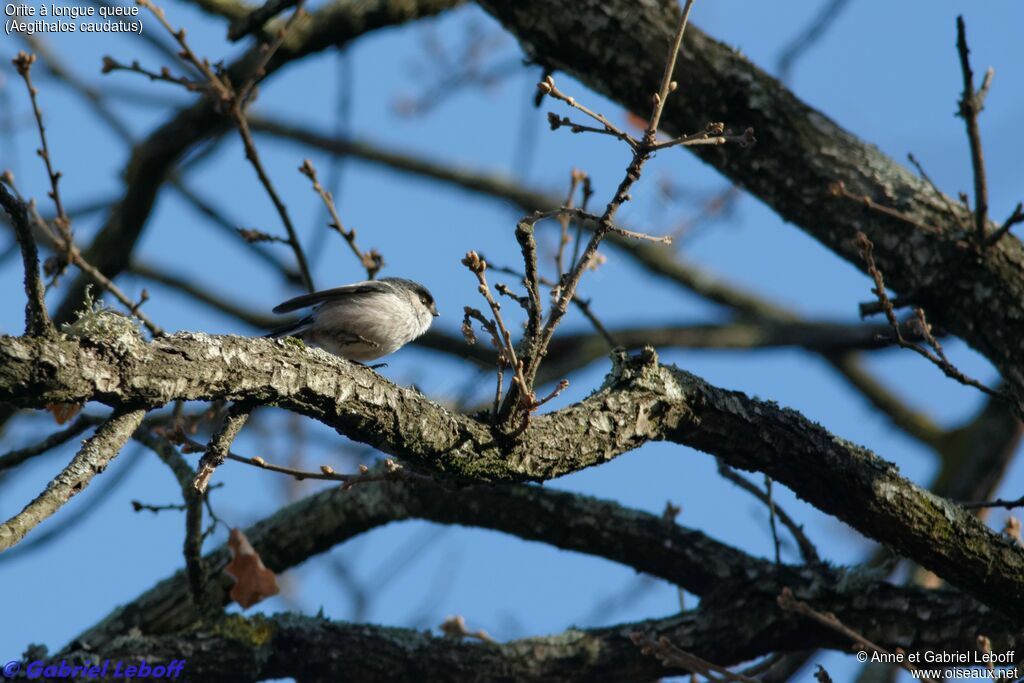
433,309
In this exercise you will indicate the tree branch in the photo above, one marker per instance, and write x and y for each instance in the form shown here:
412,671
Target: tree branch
37,320
640,401
722,575
93,458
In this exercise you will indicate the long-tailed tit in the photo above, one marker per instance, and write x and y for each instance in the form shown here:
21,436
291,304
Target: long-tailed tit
362,321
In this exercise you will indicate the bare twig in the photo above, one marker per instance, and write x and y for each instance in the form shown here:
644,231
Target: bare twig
37,320
998,503
254,20
502,337
789,603
138,506
957,216
936,355
371,260
582,304
547,87
1016,217
575,179
23,63
94,456
391,470
98,277
267,51
807,549
672,656
219,446
809,36
110,65
642,150
971,104
16,457
234,103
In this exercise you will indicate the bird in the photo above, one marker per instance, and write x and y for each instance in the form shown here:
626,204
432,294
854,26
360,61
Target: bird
362,321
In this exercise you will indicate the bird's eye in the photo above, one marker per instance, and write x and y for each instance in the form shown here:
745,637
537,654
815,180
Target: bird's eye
425,300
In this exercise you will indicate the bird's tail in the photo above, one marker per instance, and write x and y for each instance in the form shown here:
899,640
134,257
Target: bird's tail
291,329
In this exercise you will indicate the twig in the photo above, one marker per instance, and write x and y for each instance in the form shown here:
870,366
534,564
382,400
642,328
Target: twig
234,103
94,456
219,87
371,260
1016,217
98,277
575,178
547,87
37,320
998,503
808,37
770,502
582,304
23,63
641,152
942,195
807,549
391,471
789,603
192,548
971,104
502,337
673,656
110,65
141,507
531,276
16,457
838,189
267,53
936,355
254,158
254,20
219,446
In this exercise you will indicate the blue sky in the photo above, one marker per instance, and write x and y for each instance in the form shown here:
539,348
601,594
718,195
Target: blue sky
888,73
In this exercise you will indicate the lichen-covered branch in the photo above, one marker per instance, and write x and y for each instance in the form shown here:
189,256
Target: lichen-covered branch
94,456
646,542
640,401
314,648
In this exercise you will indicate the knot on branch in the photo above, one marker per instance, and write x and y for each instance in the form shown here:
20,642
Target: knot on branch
626,367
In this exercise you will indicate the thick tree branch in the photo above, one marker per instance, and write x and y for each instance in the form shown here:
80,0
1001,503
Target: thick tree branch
659,260
640,401
616,47
649,543
312,648
93,458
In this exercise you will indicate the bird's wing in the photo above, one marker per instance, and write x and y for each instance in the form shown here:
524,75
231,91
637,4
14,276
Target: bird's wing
306,300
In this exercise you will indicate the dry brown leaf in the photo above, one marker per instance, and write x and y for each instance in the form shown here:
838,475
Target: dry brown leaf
253,581
62,412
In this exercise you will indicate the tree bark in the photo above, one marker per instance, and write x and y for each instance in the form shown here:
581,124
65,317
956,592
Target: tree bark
640,401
